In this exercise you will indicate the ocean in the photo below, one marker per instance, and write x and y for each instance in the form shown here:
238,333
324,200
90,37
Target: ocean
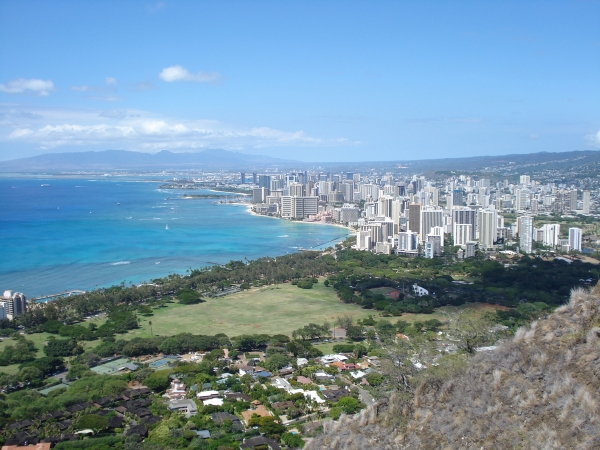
59,234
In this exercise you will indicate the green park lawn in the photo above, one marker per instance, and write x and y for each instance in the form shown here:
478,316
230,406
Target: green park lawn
39,339
269,310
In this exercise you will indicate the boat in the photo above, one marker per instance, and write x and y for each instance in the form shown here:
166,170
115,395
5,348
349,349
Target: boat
167,227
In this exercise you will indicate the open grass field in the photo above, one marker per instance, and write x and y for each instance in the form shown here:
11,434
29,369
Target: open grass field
39,339
270,310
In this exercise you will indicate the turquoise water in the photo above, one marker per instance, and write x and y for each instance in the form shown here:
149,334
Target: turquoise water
59,234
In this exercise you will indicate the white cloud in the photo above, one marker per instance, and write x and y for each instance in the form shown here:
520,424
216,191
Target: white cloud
83,88
594,139
131,129
110,80
19,133
105,98
180,73
21,85
156,7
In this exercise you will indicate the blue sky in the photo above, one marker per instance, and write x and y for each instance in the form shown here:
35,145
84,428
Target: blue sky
309,80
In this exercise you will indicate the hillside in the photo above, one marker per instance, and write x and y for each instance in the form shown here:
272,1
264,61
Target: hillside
126,160
537,391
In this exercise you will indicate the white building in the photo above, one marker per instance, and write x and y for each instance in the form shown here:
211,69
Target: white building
13,304
419,291
586,202
575,238
430,217
299,207
408,241
487,228
526,234
462,233
551,232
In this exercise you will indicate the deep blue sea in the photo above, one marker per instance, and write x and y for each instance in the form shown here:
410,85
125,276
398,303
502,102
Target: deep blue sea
59,234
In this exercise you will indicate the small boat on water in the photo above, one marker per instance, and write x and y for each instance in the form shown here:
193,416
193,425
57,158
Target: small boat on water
167,227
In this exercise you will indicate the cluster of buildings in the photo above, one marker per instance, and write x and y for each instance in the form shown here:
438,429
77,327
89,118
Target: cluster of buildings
414,216
12,304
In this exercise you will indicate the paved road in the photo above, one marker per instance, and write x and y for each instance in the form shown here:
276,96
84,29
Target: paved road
365,397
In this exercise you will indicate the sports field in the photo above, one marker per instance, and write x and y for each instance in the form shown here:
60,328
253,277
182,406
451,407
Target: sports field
270,310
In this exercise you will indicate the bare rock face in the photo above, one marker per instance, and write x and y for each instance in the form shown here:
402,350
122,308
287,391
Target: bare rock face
540,390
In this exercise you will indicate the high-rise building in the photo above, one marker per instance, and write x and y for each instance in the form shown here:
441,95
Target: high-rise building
385,206
526,234
433,246
471,249
430,217
586,202
264,181
465,216
434,195
299,207
363,240
457,197
243,177
573,200
408,241
254,178
296,189
462,233
487,228
349,214
259,195
12,304
575,238
414,217
551,233
525,179
521,199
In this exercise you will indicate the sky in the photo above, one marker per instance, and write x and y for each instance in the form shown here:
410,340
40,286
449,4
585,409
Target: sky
304,80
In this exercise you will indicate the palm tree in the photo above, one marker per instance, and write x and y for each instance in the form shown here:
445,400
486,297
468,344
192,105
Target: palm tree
150,323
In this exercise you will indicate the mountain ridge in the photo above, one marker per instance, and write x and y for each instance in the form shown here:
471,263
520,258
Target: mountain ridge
536,391
107,160
130,160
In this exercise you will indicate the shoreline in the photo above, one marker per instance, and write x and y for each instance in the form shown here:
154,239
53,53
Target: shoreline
249,210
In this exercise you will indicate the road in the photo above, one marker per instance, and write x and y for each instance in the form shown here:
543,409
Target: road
363,396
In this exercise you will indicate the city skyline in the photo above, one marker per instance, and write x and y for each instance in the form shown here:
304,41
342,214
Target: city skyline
337,81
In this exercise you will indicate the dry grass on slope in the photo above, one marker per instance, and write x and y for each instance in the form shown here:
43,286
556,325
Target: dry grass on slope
537,391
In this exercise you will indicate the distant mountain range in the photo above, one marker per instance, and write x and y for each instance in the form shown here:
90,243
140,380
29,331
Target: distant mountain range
109,160
125,160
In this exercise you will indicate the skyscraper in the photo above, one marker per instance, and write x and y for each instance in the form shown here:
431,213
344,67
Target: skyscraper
487,228
526,234
551,233
462,233
430,217
414,217
465,216
575,238
586,202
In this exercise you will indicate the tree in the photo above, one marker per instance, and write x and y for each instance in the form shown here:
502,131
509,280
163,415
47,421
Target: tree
276,362
354,333
62,347
92,422
77,371
159,380
470,332
292,440
344,321
375,379
150,323
31,375
349,405
188,297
